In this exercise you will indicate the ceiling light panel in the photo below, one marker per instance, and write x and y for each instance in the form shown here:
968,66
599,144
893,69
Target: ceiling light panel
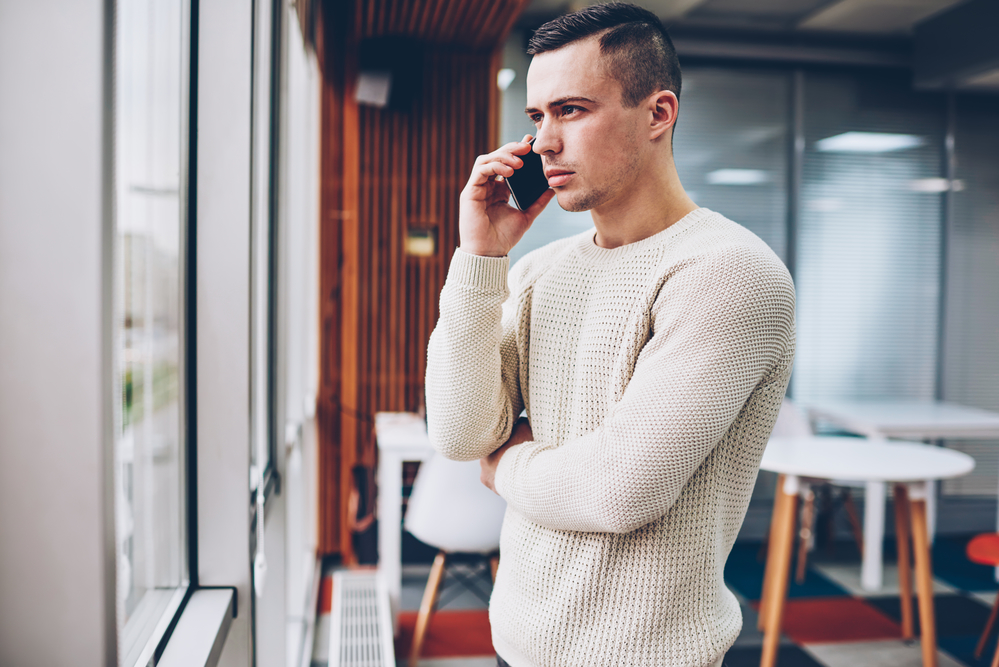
737,177
868,142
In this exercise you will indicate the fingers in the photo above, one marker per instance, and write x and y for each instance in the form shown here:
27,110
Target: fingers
484,172
508,152
501,162
521,147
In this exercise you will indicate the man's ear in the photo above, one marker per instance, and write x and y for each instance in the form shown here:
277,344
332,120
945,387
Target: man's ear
664,107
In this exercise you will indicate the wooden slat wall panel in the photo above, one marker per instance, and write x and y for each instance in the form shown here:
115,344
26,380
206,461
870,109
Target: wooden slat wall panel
413,167
383,172
479,24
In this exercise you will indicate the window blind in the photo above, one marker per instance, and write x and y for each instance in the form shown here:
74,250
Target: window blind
868,251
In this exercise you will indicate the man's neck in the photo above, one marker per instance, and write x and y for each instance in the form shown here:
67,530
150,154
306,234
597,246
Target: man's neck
648,209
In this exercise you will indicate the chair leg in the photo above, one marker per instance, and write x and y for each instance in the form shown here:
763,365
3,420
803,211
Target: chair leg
805,533
904,568
493,566
780,565
924,581
775,515
851,514
427,607
830,522
988,630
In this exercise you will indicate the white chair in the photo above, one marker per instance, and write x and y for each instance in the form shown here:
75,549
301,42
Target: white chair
792,422
451,510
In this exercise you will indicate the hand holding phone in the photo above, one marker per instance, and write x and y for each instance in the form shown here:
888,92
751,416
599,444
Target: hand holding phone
488,222
528,182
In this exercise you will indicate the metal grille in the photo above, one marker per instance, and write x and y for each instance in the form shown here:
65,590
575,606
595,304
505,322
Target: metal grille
360,623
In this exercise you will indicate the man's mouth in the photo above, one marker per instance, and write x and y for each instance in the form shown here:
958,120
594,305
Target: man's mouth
558,177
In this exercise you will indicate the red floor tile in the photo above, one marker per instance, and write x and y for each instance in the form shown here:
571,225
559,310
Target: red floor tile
326,595
824,620
451,634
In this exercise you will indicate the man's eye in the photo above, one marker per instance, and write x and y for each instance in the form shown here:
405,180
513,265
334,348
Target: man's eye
536,118
566,110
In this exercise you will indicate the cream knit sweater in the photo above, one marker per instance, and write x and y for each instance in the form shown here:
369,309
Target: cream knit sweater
652,375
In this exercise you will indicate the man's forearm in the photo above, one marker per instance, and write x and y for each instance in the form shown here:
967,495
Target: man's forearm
471,403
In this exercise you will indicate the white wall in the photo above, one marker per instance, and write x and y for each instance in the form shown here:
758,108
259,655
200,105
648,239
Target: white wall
57,598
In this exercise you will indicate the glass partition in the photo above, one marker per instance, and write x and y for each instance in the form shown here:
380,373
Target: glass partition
971,352
868,251
730,145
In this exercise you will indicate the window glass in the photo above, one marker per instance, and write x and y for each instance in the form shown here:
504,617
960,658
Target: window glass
868,252
150,103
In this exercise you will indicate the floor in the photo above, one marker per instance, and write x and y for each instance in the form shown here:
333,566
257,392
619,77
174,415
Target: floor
829,620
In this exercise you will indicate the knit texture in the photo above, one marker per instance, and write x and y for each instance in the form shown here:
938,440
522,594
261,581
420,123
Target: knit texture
652,375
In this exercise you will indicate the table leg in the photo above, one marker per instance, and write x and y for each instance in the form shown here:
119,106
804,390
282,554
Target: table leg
902,522
924,574
775,518
874,530
389,529
780,572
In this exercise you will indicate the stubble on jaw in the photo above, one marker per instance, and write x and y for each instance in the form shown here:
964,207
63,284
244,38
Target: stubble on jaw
592,197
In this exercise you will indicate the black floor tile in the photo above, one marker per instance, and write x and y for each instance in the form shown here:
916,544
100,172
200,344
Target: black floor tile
956,615
787,656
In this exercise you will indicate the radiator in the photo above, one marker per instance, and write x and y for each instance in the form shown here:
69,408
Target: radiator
360,621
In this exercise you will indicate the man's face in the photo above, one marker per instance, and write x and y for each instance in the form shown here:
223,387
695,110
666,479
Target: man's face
591,146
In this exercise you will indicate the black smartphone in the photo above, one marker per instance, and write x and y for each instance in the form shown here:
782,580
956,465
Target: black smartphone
529,182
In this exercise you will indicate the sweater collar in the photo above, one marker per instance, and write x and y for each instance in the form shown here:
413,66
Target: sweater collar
590,252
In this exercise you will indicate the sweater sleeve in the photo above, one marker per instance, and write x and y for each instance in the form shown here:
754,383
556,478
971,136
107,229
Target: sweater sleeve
720,326
472,382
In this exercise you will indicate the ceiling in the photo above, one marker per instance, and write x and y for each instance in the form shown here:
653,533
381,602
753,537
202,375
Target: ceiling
888,18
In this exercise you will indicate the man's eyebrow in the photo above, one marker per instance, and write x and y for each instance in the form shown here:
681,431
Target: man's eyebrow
560,101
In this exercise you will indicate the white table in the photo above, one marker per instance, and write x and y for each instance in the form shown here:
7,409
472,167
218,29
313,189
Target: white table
400,437
913,420
910,465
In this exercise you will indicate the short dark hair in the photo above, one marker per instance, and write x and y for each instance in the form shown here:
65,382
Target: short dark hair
641,53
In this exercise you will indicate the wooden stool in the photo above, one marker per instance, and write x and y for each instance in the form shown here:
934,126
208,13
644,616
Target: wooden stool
984,550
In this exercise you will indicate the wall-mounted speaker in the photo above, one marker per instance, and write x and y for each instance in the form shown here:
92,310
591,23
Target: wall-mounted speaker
390,72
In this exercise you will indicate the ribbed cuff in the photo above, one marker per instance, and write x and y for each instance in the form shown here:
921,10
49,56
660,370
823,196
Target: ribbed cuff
487,273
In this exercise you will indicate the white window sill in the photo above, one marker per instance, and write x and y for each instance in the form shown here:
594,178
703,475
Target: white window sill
200,634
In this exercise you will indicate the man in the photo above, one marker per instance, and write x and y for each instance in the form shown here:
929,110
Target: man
651,355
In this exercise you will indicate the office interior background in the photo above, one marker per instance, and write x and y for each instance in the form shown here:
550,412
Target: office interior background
224,225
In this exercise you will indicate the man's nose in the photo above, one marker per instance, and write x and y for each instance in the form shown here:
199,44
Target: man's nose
546,140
